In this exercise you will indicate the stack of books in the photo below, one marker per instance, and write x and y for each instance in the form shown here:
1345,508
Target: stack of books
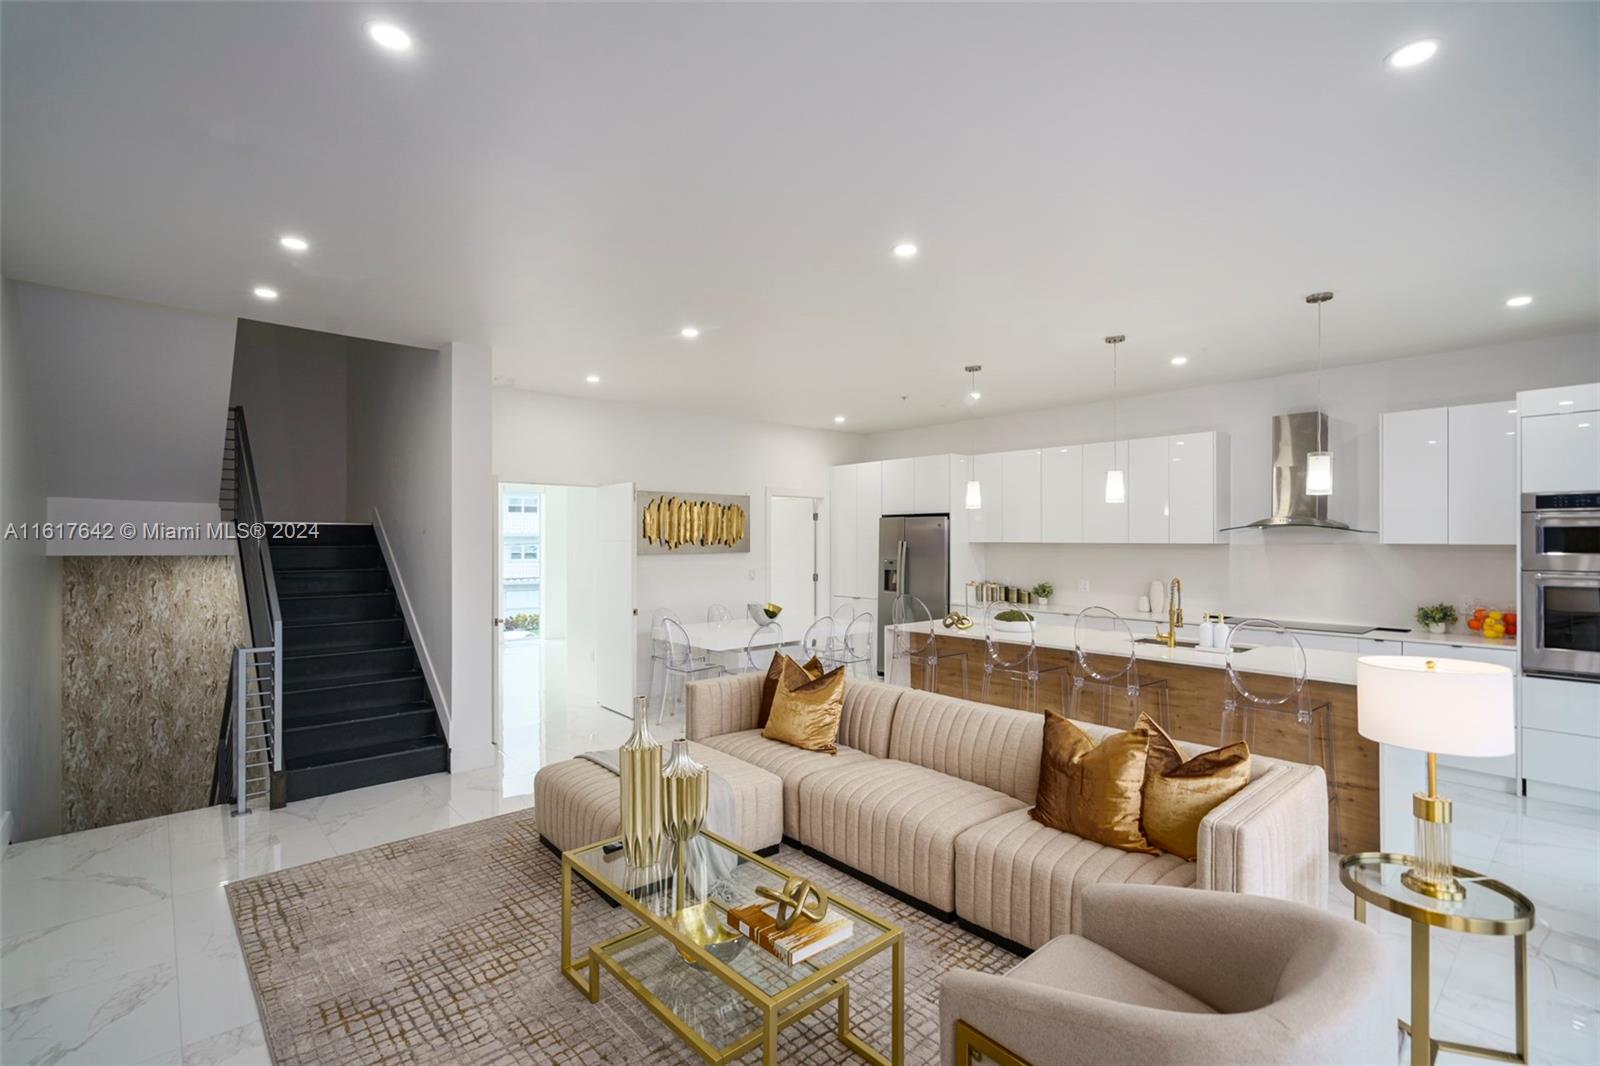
803,939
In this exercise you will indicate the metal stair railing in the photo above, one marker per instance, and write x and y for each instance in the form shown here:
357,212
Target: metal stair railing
252,731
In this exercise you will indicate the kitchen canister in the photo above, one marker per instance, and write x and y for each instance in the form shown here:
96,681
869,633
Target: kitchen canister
1158,596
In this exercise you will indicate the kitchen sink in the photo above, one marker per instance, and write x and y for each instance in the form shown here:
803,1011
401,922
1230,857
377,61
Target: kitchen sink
1190,644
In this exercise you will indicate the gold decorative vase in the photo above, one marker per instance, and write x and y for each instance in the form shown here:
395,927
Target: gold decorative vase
639,773
686,785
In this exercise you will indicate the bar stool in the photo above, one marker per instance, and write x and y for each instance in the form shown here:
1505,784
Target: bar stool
680,663
1107,674
921,650
1005,655
1273,692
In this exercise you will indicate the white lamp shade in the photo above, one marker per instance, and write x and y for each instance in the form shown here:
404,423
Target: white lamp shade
1116,488
1456,707
1319,474
974,495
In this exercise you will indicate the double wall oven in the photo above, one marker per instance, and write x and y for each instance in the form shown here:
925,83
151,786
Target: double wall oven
1559,626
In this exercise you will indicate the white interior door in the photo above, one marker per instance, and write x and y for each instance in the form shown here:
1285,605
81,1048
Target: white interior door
792,537
614,622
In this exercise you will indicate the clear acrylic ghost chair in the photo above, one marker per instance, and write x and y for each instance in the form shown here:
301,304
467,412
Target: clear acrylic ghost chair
1267,697
916,655
853,648
765,641
680,665
842,616
1006,656
1106,687
718,613
658,648
818,641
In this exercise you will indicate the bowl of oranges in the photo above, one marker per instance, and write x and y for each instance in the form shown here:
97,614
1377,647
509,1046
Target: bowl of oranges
1493,624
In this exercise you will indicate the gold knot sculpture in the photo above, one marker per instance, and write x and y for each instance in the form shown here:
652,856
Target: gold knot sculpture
797,897
957,620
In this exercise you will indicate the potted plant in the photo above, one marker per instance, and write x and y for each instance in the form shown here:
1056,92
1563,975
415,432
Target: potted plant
1042,593
1012,620
1437,617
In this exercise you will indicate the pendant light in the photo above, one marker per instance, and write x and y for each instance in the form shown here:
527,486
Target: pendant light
1319,464
974,488
1116,480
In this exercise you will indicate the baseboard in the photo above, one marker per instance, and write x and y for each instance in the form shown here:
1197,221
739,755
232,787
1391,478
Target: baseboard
441,705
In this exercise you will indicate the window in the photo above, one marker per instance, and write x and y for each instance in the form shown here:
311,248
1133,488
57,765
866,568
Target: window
522,504
523,553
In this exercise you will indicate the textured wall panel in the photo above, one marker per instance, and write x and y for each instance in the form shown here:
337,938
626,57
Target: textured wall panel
145,648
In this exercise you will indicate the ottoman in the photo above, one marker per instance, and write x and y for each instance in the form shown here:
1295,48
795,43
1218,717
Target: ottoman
576,802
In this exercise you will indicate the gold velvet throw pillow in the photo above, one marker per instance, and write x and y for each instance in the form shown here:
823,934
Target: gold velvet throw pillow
806,709
1178,793
1092,790
769,687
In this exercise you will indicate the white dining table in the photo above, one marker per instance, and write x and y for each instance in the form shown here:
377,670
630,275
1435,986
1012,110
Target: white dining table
735,634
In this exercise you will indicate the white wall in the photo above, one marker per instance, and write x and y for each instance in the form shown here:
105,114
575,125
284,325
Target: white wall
293,385
1300,574
554,544
541,438
30,610
472,538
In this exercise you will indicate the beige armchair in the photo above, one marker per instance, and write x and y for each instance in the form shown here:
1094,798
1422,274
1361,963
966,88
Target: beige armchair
1171,975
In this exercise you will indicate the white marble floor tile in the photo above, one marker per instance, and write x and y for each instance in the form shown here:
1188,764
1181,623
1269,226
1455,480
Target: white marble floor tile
210,850
214,993
244,1046
133,848
59,958
55,899
130,1018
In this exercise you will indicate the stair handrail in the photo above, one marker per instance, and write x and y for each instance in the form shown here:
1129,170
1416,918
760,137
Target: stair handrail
264,616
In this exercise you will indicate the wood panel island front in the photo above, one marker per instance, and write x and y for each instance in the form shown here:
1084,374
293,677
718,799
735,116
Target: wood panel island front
1196,683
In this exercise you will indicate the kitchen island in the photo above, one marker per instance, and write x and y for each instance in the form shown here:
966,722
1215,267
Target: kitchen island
1196,684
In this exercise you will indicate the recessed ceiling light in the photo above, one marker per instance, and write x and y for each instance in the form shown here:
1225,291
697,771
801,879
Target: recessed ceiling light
1511,433
388,35
1179,360
293,243
905,250
265,292
1563,403
1519,301
1433,442
1412,54
593,379
838,418
1583,425
1511,410
689,333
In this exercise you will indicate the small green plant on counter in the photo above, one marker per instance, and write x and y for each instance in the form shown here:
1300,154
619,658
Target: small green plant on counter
524,621
1440,614
1044,590
1013,615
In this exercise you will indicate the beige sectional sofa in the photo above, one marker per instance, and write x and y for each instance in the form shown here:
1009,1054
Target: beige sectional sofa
929,795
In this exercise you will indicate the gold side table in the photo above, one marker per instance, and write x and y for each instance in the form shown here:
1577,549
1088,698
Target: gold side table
1490,908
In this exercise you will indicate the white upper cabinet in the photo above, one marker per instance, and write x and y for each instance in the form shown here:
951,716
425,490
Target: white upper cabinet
1103,523
1061,495
1483,473
844,571
931,484
869,508
986,522
1197,496
1414,477
899,486
1148,482
1565,400
1019,472
1561,453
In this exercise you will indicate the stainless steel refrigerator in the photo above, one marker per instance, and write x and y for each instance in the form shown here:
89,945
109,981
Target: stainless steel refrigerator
913,557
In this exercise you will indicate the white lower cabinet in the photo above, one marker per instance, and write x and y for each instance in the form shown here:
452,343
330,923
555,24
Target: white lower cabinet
1561,732
1499,765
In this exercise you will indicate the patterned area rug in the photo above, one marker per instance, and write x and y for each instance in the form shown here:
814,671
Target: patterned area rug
446,948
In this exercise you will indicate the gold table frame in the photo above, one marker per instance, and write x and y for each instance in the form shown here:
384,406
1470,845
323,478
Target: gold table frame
1424,1047
827,984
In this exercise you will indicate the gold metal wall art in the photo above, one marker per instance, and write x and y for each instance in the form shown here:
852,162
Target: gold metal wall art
639,774
674,524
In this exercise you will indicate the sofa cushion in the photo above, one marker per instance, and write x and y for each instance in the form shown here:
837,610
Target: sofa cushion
791,764
1073,964
897,822
578,802
869,710
1024,880
995,747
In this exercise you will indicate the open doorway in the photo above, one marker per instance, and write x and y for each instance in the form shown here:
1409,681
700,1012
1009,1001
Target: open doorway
545,593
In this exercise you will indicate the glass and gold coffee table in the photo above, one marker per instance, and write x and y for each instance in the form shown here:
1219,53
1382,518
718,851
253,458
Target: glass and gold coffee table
721,994
1489,908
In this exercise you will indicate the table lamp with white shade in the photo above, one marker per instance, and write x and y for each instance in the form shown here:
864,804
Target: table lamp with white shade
1442,707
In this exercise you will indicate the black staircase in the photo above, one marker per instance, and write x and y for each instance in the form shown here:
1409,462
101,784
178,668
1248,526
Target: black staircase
356,709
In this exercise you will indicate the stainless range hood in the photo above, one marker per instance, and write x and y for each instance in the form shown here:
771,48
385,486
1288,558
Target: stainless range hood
1293,438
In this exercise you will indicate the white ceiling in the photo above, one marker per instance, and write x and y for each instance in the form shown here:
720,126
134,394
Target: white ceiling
573,183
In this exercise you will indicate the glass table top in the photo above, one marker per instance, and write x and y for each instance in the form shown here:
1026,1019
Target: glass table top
1490,906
